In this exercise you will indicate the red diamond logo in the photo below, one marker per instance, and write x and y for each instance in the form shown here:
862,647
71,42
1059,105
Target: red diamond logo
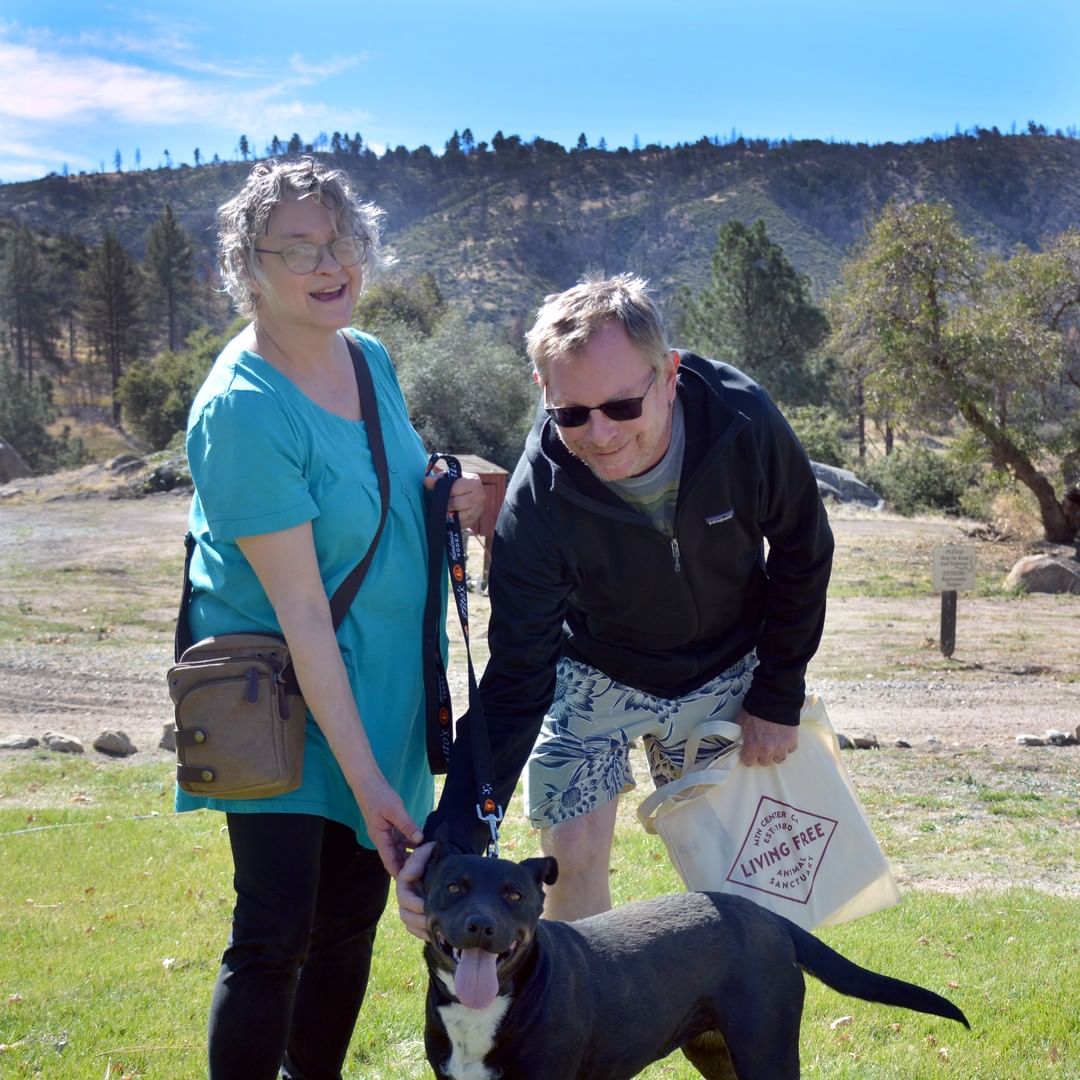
782,851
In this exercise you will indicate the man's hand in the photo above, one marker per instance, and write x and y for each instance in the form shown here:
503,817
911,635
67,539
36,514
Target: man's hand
409,898
765,742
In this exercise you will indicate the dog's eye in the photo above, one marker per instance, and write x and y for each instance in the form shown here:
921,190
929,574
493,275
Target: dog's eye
453,888
513,896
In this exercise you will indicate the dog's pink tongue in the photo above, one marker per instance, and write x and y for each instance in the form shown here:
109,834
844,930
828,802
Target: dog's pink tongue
475,981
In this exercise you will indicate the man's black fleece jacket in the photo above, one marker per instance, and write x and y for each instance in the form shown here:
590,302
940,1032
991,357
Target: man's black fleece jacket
576,571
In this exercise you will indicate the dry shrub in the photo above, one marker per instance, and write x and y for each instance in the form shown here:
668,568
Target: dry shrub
1015,514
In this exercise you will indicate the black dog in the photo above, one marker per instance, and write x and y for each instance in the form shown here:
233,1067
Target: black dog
512,997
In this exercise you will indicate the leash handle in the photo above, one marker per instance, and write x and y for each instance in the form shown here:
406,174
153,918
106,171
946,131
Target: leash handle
487,810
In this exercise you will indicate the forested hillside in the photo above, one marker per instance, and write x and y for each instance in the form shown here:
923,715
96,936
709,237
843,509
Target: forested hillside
501,227
878,291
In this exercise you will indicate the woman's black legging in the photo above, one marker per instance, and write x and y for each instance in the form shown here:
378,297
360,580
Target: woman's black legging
293,976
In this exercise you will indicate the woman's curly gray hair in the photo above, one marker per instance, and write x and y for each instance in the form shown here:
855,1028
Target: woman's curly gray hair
243,219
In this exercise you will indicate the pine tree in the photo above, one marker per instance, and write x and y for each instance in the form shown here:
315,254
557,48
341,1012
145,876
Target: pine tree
27,302
111,303
757,314
169,272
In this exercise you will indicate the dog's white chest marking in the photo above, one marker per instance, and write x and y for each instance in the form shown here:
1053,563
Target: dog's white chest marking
472,1035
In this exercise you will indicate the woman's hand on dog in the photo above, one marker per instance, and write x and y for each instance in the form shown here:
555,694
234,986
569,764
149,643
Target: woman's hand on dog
410,899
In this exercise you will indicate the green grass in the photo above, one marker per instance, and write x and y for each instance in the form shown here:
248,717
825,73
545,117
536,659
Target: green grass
114,910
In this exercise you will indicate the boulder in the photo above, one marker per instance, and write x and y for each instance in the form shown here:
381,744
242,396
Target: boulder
124,463
1029,740
168,738
114,743
61,743
19,742
844,486
1060,738
12,467
1045,573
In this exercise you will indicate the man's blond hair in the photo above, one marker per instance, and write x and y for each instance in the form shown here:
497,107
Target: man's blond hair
568,320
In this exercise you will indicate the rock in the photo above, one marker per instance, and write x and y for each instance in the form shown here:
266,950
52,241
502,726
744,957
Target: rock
844,485
932,744
1059,738
866,742
12,467
19,742
124,463
168,739
114,743
844,742
61,743
1045,573
1029,740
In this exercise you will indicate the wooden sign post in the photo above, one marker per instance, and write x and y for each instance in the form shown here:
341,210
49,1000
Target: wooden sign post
954,571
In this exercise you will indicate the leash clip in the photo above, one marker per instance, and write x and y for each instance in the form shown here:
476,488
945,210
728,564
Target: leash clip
493,816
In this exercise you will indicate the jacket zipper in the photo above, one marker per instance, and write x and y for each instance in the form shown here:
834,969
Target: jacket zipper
675,555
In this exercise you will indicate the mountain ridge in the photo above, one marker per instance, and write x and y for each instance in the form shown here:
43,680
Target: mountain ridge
499,230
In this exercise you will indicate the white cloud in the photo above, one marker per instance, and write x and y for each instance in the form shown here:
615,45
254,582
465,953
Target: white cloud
49,90
309,72
38,86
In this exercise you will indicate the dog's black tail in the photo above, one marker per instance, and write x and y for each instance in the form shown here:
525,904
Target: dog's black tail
817,959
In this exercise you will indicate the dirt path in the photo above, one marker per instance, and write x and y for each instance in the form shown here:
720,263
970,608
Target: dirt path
88,589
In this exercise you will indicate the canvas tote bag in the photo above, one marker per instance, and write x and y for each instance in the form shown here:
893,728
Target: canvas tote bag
791,837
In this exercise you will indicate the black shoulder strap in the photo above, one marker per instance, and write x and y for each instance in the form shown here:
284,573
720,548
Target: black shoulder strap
346,592
343,597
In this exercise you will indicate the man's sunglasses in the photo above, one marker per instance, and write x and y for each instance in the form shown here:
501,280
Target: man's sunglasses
628,408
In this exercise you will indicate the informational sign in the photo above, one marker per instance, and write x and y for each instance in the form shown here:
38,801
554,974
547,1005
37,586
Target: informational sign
954,568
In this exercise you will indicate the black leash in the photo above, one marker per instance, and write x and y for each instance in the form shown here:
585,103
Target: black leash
444,533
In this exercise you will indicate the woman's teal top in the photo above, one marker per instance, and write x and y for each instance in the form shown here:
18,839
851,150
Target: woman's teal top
265,457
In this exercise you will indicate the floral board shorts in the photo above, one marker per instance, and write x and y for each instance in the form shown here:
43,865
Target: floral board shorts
581,759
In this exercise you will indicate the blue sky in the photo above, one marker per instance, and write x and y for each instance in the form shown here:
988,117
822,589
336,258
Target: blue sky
81,80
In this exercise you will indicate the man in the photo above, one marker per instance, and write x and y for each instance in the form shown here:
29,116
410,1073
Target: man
630,591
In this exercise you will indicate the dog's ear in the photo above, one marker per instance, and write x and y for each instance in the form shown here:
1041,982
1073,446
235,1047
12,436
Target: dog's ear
545,870
441,839
442,847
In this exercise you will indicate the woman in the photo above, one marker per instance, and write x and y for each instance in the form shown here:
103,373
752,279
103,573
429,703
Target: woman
286,503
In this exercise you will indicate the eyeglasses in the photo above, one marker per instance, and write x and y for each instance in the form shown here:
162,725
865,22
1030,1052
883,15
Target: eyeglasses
306,258
621,409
